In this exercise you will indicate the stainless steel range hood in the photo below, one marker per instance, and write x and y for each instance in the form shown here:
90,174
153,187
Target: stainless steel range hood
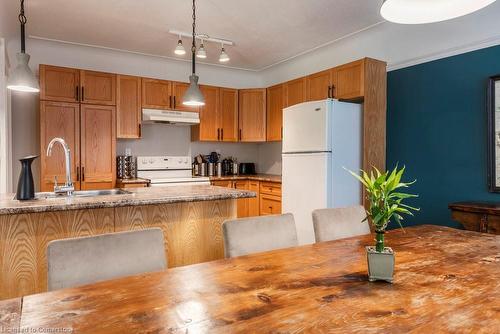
170,117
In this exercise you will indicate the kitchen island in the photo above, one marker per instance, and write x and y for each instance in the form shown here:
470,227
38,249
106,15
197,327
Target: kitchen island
190,217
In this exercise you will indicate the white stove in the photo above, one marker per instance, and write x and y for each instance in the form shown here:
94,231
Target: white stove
168,171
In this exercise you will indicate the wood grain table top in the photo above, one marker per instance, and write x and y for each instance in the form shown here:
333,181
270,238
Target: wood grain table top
446,281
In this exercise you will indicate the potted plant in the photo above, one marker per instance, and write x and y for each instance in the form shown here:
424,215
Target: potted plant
383,191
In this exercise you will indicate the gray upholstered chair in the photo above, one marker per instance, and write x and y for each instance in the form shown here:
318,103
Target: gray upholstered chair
258,234
78,261
338,223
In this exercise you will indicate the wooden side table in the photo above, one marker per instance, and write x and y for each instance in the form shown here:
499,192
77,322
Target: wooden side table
477,216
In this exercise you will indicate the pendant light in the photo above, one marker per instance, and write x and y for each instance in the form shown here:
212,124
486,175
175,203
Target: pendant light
428,11
223,55
179,49
193,95
22,78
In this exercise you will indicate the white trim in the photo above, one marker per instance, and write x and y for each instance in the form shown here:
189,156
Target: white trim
5,126
493,41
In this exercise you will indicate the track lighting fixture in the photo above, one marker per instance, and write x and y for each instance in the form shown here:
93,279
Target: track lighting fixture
179,49
223,55
201,51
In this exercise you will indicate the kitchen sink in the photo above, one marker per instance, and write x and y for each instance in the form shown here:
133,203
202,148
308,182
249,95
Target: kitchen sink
83,193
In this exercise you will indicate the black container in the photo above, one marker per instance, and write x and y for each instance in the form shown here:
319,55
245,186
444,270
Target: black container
25,185
247,168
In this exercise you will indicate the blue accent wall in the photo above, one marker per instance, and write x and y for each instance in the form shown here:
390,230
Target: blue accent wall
437,128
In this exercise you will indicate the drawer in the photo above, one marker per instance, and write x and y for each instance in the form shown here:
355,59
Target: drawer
270,188
269,204
226,184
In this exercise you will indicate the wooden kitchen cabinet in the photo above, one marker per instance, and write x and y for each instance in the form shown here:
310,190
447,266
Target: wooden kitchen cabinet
156,94
269,205
294,92
98,142
59,119
252,115
209,128
60,84
274,131
97,88
242,204
178,90
228,114
319,85
349,80
253,203
128,106
223,183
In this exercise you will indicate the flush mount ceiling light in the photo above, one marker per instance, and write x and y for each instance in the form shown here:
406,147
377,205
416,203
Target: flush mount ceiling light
193,95
202,53
179,49
22,78
428,11
223,55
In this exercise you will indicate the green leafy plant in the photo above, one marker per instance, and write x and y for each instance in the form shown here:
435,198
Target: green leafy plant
383,191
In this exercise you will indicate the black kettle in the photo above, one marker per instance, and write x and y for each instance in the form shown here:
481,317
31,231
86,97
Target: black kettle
25,185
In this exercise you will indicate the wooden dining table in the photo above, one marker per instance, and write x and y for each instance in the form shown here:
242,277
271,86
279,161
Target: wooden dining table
446,281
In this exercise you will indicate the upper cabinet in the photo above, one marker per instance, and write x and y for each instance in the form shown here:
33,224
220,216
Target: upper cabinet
209,128
275,113
63,84
252,115
294,92
228,114
98,88
349,80
219,115
178,90
60,84
156,94
128,106
319,85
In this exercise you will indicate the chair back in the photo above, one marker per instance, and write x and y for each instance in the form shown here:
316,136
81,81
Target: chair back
339,223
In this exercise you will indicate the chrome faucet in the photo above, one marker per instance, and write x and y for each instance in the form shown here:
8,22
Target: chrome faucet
68,187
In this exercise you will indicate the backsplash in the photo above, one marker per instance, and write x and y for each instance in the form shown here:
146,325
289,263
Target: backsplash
162,139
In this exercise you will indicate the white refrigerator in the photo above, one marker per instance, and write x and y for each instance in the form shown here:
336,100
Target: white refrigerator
320,139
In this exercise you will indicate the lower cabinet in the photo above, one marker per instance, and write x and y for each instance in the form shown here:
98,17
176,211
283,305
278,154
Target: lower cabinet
267,201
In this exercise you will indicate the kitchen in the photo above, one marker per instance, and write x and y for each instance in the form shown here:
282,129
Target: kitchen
262,136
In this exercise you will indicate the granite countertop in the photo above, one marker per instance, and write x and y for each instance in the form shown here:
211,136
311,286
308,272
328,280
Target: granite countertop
135,196
257,177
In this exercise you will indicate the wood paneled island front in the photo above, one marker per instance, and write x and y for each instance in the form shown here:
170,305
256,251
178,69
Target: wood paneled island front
190,217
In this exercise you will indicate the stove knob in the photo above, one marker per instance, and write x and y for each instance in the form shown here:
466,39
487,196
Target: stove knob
151,161
144,161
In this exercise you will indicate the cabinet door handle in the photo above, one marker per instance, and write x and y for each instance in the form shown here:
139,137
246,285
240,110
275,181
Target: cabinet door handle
140,130
78,173
83,174
170,101
332,91
218,134
77,93
222,134
329,91
83,93
239,135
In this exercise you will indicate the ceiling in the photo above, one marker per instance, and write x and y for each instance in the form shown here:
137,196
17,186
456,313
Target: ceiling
265,32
